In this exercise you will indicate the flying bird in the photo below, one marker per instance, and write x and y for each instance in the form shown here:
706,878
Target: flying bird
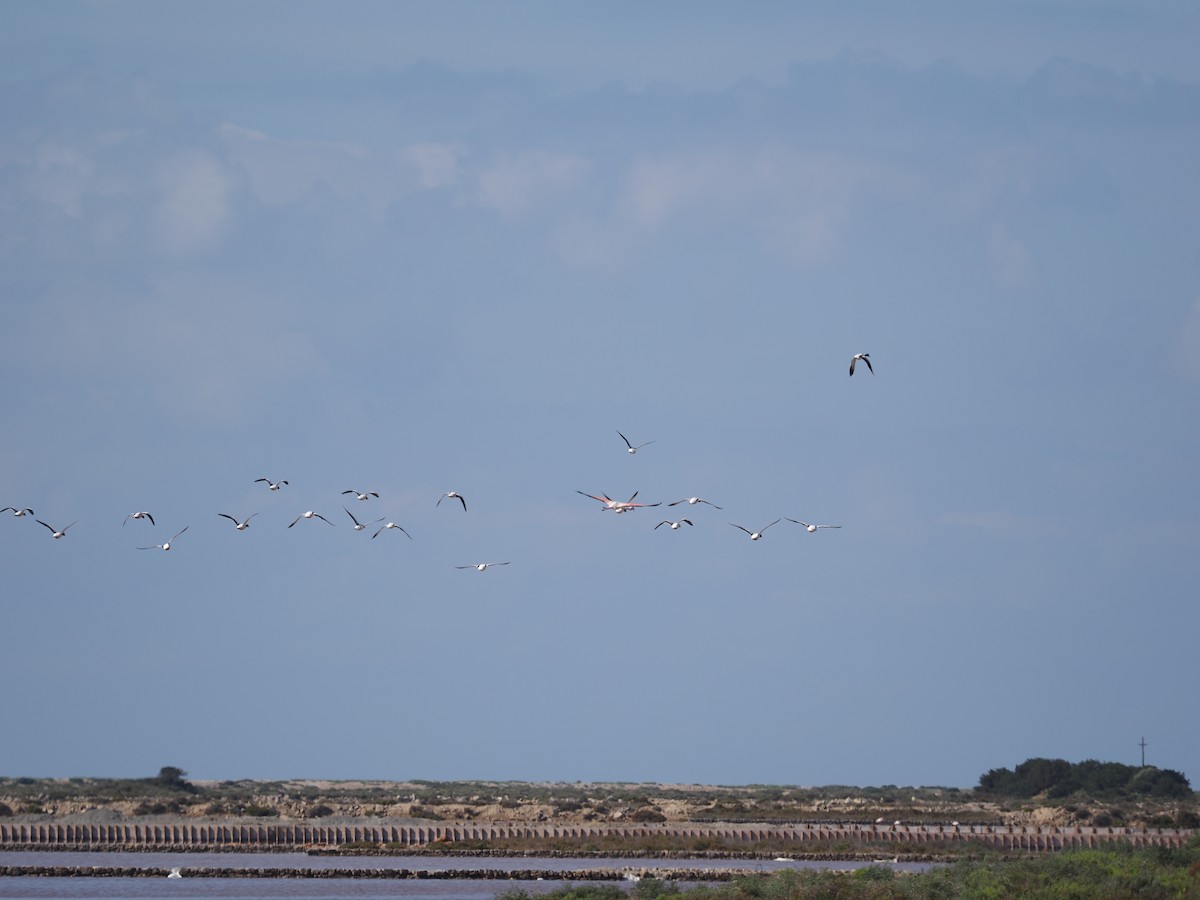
309,515
609,502
674,525
811,528
362,496
692,501
359,526
273,485
240,526
453,495
57,534
620,506
167,545
865,357
138,515
386,527
754,535
480,567
632,448
18,512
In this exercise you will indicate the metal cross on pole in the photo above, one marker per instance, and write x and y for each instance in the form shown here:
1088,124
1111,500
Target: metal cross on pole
1142,744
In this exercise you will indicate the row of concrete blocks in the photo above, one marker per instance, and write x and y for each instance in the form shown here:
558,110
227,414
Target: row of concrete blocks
279,835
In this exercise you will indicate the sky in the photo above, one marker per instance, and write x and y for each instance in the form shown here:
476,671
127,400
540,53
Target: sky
428,247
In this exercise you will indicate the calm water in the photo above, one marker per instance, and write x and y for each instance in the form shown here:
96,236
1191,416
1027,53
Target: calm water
318,888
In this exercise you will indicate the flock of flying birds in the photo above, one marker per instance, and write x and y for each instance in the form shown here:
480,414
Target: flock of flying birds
243,524
623,506
609,505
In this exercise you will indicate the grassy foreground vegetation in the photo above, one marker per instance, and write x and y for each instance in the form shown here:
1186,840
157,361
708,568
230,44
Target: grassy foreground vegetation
1115,872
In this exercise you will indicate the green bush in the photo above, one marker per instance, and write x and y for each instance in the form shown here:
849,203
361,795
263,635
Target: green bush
647,814
1057,778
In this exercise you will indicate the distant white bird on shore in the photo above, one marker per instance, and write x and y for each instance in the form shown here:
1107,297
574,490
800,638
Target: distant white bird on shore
18,512
811,528
359,526
167,545
754,535
138,515
175,873
481,567
632,448
240,526
362,496
692,501
386,527
310,515
674,525
55,532
273,485
453,495
865,357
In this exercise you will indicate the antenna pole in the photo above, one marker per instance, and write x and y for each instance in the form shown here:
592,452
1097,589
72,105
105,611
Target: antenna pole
1142,744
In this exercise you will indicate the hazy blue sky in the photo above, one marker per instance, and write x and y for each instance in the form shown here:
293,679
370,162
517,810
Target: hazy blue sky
422,247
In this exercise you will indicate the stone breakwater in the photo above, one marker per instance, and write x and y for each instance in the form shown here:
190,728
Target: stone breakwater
183,835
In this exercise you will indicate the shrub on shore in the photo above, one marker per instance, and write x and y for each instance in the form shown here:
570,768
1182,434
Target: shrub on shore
1117,871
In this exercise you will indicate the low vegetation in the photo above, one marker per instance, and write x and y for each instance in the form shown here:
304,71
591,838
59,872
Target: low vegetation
1118,871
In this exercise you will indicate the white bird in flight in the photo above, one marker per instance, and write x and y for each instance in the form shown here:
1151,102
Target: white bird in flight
453,495
632,448
609,502
692,501
481,567
811,528
273,485
865,357
240,526
167,545
18,512
754,535
57,534
359,526
362,496
674,525
386,527
139,515
620,506
310,515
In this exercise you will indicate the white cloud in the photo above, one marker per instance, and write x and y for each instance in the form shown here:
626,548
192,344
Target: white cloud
517,184
285,171
194,204
60,176
799,201
437,163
